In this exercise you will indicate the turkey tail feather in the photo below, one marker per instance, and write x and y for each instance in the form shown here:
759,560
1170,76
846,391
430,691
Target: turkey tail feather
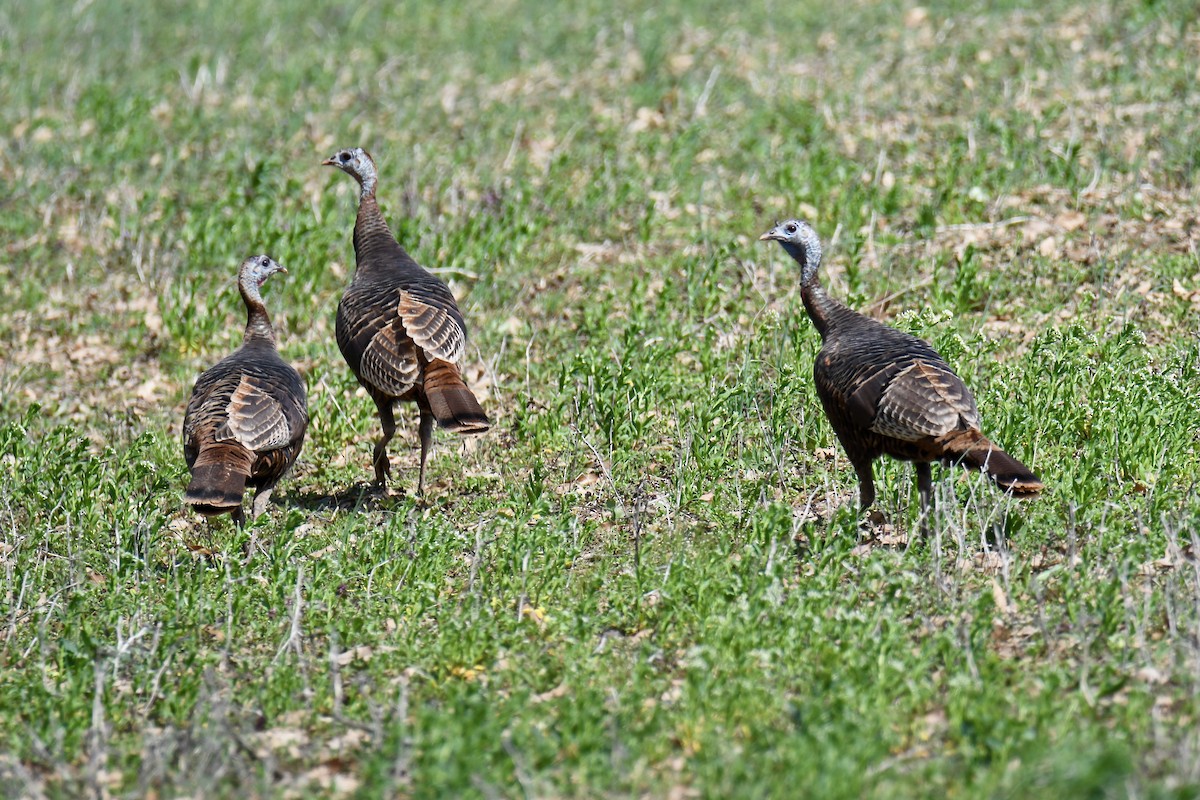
975,451
452,403
218,479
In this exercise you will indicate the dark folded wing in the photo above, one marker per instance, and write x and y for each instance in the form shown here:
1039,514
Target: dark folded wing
923,399
432,328
254,418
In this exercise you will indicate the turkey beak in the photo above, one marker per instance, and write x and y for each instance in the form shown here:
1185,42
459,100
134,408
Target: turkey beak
329,162
768,236
283,270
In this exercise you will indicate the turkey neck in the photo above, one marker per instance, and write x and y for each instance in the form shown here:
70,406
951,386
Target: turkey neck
374,245
258,324
825,312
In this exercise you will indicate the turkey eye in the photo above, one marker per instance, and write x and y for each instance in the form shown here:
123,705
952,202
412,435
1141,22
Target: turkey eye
344,157
791,228
266,262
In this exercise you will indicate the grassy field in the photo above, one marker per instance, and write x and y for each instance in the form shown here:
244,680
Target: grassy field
649,579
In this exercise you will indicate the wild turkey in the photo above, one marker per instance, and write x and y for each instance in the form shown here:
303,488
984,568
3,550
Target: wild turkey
400,330
246,419
886,392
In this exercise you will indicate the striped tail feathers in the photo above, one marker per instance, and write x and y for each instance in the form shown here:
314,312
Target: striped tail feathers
975,451
219,477
452,403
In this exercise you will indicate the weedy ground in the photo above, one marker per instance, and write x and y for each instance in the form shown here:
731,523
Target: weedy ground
649,578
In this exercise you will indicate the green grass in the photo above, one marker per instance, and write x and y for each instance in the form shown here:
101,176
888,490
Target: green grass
649,578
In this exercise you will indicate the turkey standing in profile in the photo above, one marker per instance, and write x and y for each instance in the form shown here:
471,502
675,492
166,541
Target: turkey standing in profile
886,392
400,330
246,419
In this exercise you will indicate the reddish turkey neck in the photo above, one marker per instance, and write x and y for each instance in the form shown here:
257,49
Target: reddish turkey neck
400,330
886,392
245,422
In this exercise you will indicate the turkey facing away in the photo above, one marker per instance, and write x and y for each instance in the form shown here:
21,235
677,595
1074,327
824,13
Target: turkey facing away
246,419
400,330
886,392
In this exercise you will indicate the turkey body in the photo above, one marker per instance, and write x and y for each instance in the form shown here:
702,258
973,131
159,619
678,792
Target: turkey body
246,419
400,330
886,392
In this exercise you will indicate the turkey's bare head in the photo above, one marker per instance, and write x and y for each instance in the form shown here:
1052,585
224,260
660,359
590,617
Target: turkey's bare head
256,269
800,242
357,163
